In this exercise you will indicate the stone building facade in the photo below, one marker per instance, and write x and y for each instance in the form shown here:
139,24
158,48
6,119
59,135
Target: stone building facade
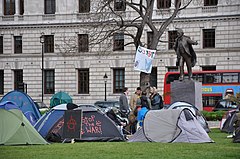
22,22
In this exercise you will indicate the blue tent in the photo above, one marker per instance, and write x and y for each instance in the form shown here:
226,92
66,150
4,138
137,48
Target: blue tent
96,126
7,105
24,103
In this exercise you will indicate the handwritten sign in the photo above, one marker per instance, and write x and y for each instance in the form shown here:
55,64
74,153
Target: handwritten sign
143,59
91,125
72,124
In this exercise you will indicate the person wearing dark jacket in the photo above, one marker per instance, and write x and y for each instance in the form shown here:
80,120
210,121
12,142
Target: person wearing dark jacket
123,102
142,112
156,99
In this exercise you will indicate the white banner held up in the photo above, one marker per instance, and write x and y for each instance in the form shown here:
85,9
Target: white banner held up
143,59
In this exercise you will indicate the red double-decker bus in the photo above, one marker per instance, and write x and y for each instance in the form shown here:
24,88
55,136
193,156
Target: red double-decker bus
215,85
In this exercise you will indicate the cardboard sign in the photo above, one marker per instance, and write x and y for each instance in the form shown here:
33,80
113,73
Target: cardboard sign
72,124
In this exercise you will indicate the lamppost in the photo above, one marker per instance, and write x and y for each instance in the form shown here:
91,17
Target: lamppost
105,81
42,40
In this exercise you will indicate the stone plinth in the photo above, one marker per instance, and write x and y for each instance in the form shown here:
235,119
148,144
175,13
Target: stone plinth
187,90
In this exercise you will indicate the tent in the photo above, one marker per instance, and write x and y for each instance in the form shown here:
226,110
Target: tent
236,137
200,118
15,129
170,125
60,98
96,126
25,103
228,121
8,105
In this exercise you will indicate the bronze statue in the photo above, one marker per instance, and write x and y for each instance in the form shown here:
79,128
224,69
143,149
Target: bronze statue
185,53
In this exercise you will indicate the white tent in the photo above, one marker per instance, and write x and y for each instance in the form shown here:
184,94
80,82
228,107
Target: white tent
171,125
200,118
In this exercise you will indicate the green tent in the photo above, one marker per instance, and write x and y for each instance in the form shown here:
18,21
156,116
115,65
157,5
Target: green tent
15,129
60,98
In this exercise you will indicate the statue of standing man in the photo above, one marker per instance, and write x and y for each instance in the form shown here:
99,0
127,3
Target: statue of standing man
185,53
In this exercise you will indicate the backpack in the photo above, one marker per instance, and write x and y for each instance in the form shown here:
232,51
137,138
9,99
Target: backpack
161,102
144,101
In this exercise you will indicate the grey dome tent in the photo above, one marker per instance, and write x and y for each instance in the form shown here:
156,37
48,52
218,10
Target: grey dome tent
200,118
170,125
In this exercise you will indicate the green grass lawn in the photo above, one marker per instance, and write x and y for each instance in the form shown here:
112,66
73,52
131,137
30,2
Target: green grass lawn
223,148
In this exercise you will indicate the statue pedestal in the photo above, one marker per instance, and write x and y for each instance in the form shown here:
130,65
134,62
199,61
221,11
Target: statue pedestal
187,90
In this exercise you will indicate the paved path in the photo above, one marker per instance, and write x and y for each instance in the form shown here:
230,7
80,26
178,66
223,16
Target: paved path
213,124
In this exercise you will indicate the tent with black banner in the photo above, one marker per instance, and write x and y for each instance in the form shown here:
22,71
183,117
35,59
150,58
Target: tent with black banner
96,126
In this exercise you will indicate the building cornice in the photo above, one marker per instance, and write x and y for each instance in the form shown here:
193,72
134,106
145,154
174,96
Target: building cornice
78,24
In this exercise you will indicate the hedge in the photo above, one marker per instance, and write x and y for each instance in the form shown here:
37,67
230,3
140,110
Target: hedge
213,116
210,116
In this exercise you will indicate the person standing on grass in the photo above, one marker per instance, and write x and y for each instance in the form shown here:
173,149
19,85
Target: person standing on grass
134,103
144,96
156,99
123,102
142,112
135,99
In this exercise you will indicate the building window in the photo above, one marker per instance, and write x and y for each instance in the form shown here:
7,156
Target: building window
209,38
17,44
1,45
172,35
21,7
9,7
18,79
153,77
149,39
83,81
49,84
118,41
163,4
119,5
210,2
83,43
208,68
118,80
172,69
230,78
49,43
1,81
49,6
84,6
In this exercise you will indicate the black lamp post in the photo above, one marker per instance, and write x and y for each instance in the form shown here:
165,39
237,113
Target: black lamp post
105,81
42,40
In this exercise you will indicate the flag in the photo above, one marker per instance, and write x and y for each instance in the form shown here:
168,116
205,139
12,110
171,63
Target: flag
143,59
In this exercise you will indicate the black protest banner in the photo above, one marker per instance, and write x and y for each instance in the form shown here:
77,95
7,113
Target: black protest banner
72,124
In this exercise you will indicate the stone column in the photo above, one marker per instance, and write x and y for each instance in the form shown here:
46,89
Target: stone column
1,9
17,7
172,7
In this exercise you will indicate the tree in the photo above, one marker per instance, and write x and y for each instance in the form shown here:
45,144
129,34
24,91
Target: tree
133,26
110,18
